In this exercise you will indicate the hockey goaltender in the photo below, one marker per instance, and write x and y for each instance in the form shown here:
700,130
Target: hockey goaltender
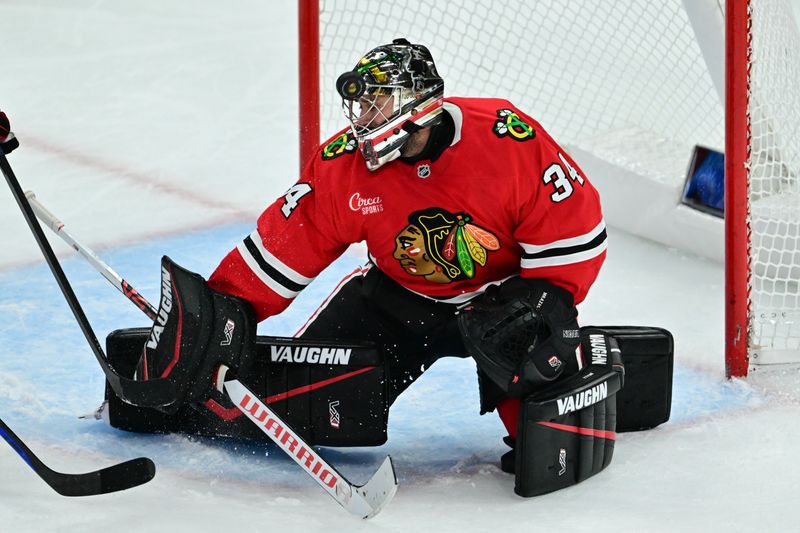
483,235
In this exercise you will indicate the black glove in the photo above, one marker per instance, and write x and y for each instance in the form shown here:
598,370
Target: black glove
521,333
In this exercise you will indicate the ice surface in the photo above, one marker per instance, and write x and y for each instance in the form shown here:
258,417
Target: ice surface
164,127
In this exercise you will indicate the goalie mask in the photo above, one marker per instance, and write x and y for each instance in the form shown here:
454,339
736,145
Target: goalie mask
393,91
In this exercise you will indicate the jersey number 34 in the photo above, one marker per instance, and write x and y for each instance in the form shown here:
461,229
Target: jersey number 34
292,197
561,181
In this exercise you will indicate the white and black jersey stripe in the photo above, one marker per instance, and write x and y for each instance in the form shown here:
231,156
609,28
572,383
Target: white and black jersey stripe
565,251
269,269
360,271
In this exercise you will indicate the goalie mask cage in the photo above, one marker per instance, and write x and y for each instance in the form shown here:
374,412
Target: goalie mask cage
630,88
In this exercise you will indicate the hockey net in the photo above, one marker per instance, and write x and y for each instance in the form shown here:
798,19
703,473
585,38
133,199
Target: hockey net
630,88
774,162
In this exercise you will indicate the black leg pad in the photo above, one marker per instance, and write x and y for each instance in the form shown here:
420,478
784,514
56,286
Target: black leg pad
567,435
333,394
647,353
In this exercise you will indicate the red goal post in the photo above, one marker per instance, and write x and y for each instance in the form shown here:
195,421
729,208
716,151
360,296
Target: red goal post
631,88
737,223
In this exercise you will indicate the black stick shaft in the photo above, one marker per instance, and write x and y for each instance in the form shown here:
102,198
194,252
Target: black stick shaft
151,394
15,442
50,256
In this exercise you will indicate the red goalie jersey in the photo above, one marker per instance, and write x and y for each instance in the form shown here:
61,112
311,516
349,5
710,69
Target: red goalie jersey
504,199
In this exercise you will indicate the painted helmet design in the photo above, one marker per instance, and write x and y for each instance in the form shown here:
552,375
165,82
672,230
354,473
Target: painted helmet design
393,91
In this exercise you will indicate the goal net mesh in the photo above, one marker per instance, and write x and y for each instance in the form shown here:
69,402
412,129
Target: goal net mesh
774,162
625,81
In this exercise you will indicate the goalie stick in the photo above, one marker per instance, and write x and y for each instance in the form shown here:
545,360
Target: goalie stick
110,479
361,500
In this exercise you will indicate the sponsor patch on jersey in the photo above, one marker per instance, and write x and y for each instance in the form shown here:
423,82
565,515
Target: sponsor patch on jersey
343,144
442,246
510,125
365,205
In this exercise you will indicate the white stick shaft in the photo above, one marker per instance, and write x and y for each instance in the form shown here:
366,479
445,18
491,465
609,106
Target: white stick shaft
48,218
289,441
53,222
359,502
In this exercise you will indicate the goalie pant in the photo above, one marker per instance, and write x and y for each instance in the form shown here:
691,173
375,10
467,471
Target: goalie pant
410,331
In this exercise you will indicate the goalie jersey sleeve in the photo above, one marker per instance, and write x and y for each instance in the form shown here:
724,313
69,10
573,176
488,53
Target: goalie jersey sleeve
294,240
561,229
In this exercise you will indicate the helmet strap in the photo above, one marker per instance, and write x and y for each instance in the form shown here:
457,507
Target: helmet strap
410,127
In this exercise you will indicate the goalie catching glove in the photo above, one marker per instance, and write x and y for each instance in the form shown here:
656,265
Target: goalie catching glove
522,333
197,330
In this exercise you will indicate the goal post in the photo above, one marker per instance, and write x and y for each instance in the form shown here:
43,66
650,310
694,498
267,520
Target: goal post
632,89
762,186
308,78
737,138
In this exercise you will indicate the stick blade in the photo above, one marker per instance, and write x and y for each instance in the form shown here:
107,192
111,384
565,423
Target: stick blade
370,498
114,478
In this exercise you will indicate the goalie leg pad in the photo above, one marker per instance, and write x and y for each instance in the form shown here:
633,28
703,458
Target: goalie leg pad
566,433
647,353
555,453
332,394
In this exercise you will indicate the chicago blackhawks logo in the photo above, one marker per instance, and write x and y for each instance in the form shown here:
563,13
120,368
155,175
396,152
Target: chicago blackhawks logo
510,124
344,143
443,246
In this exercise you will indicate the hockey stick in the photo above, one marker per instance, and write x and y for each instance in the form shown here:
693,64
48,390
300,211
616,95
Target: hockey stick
153,393
115,279
361,500
110,479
